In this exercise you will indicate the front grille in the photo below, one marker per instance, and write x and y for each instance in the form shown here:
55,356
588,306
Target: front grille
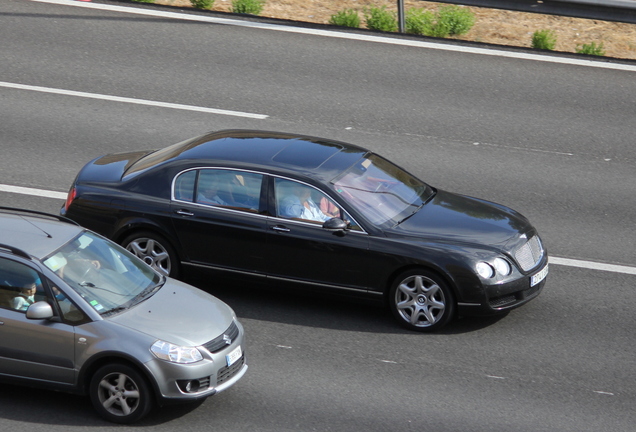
530,254
502,301
217,344
228,372
514,298
204,383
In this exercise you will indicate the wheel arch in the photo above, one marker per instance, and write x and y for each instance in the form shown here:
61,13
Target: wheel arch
130,226
113,357
144,226
420,266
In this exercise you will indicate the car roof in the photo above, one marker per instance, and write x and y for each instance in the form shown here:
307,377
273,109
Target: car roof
38,234
290,152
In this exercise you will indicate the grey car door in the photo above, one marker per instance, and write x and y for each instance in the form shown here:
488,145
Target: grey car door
31,348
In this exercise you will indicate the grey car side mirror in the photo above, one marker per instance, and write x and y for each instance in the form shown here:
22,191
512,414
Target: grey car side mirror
39,310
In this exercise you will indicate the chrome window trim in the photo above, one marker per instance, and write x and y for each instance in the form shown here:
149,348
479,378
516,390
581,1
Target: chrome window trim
174,199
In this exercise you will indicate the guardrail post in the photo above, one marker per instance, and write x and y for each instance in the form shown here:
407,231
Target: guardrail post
401,16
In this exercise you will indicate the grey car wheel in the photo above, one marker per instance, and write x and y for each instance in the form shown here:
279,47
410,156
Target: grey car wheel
421,301
120,394
155,251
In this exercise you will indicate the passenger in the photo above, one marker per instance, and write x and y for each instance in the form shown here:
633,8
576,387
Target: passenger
208,193
300,205
25,298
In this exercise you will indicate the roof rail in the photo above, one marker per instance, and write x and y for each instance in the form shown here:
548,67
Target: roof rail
15,251
37,213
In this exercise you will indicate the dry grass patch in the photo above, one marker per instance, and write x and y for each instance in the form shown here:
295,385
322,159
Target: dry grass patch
491,25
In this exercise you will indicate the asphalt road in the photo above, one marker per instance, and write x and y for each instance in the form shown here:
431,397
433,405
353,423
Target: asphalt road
550,137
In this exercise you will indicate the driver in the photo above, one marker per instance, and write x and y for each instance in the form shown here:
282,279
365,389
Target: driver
26,297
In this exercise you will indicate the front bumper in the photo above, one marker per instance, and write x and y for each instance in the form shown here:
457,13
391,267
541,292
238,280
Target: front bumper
175,383
502,297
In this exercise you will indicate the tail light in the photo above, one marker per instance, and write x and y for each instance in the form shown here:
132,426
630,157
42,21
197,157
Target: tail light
72,193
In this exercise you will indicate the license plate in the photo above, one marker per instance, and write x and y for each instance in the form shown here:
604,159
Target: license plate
539,276
232,357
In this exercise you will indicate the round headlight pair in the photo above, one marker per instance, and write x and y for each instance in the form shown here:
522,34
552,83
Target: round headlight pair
489,270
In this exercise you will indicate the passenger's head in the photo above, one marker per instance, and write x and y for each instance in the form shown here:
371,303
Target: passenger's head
28,289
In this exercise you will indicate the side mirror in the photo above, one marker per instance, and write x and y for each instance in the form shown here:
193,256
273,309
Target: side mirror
39,310
336,225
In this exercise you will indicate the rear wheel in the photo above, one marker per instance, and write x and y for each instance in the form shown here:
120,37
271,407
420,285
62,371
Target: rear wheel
421,301
120,394
155,251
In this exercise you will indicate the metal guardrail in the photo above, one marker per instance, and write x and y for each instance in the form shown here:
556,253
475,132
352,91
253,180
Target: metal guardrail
605,10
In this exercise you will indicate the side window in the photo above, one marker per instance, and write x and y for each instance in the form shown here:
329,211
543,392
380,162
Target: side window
184,186
69,311
20,286
233,189
298,201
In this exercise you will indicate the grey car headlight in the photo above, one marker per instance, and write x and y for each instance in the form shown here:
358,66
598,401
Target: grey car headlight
175,353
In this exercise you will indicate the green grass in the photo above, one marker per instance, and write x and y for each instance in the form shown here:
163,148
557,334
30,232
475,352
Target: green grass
381,19
544,39
456,20
202,4
419,21
252,7
346,18
591,49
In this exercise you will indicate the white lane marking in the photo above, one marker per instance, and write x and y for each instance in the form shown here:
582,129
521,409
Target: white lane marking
32,191
132,100
525,149
352,36
553,260
593,265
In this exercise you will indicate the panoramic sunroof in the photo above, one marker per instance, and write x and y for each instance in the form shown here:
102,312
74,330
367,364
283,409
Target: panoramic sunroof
306,154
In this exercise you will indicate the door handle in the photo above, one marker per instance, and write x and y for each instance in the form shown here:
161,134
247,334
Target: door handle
184,213
280,229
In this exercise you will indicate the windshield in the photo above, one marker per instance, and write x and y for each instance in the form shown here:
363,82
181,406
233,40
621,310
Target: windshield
107,276
381,191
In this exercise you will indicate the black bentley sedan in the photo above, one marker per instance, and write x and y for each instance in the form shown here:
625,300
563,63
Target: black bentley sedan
315,212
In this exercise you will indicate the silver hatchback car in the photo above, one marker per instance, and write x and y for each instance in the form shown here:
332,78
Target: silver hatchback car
78,313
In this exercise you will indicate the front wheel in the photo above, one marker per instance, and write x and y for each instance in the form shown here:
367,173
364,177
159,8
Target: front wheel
155,251
120,394
421,301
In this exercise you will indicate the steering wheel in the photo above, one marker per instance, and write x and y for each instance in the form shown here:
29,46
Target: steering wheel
91,269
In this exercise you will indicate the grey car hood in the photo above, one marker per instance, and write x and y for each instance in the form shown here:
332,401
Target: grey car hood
463,219
179,313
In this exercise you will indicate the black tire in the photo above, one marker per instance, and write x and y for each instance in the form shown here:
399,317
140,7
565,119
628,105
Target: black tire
421,301
120,394
155,251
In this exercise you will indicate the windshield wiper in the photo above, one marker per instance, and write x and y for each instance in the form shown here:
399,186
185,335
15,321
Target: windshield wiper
114,310
414,211
148,292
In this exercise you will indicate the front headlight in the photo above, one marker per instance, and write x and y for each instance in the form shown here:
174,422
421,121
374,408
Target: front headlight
499,266
485,270
175,353
502,266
